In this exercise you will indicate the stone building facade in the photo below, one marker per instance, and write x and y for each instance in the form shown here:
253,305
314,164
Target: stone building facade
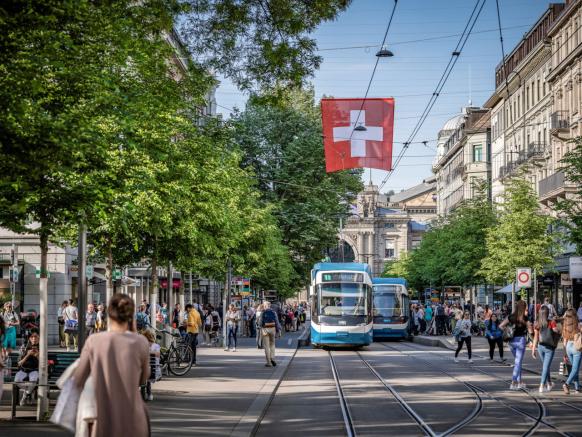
381,228
463,158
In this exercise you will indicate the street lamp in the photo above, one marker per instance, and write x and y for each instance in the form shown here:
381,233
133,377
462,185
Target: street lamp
384,53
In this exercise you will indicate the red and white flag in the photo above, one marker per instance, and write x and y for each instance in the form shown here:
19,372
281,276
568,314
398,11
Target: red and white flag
370,145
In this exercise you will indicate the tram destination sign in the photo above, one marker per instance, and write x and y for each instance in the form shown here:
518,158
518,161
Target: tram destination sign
342,277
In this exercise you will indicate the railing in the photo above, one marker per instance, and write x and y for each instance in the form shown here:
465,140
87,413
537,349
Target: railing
552,183
536,150
560,120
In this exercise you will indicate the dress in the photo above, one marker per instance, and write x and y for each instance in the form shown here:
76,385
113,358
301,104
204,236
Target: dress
118,363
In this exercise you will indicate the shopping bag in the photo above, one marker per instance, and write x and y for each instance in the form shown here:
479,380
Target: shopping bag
65,413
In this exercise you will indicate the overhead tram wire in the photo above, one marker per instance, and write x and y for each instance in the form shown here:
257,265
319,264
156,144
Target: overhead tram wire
441,83
375,67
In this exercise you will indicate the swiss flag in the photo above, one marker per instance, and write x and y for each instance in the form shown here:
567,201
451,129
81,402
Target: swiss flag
370,145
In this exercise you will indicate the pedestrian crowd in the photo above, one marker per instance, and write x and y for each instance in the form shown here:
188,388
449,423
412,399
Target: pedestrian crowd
538,328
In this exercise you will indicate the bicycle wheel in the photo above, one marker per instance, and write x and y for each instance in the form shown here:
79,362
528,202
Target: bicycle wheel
180,360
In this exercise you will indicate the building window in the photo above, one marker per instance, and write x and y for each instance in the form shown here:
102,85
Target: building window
415,243
389,250
389,226
477,153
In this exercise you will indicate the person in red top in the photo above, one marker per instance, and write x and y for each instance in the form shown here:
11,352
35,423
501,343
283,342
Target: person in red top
546,338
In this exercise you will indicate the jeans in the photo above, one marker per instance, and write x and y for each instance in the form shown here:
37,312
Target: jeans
546,356
574,356
517,346
192,339
232,331
467,341
495,342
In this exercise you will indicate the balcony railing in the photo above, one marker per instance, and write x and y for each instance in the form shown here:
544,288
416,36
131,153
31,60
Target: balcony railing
560,120
536,150
556,183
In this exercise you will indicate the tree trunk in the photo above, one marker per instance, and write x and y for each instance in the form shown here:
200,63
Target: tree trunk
181,293
42,406
154,290
109,275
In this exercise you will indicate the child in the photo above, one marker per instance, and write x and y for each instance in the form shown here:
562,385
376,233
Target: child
156,373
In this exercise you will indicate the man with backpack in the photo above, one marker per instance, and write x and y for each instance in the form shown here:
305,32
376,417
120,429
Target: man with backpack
440,319
270,327
142,319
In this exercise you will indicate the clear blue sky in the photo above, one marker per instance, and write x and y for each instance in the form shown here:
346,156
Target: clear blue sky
412,74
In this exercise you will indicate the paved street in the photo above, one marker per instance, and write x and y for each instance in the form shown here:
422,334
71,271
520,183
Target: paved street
391,388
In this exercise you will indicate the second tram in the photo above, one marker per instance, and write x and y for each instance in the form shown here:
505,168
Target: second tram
341,304
391,308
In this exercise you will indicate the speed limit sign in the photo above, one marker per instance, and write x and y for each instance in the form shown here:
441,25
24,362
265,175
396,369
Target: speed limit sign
523,278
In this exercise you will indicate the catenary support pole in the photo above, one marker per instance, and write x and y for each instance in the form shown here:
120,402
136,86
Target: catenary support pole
513,297
82,283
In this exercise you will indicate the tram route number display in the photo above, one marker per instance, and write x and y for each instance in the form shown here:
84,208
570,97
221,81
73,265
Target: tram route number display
342,277
523,278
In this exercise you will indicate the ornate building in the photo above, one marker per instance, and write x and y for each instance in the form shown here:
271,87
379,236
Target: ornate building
381,228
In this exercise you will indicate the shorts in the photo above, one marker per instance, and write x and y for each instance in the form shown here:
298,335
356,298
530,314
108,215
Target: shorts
21,376
10,338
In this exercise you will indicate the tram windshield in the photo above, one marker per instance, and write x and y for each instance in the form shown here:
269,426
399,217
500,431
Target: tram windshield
388,301
342,299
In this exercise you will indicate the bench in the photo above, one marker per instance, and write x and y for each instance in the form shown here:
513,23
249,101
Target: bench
58,362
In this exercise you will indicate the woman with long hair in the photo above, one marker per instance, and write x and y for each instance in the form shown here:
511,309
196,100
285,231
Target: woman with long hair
544,342
571,328
119,362
521,325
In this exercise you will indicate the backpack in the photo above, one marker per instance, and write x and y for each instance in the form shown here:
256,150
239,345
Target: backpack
215,323
140,321
440,310
269,319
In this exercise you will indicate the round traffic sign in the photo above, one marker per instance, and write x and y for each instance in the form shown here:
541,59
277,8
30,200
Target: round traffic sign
523,277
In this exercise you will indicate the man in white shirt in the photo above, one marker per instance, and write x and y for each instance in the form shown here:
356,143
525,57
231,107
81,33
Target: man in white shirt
71,317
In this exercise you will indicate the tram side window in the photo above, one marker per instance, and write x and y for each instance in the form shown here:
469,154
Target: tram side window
387,305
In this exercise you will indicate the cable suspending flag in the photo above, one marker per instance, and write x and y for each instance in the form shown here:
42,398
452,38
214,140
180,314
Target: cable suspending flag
357,135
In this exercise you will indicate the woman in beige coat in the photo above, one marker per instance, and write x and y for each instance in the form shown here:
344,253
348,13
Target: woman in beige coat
118,361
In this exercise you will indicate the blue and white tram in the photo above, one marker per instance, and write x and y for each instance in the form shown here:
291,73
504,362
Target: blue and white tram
341,304
391,308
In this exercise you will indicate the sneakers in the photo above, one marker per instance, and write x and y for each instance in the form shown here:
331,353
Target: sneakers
522,386
456,360
542,388
150,397
514,386
226,349
273,363
549,386
23,399
470,361
268,365
234,349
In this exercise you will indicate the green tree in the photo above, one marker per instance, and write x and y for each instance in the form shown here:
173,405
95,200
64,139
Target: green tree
570,208
282,145
521,237
258,44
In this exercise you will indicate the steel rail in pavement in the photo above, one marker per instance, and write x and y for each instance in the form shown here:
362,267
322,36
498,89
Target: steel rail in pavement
465,421
348,421
541,407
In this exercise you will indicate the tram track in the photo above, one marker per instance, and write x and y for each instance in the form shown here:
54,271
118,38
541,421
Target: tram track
538,419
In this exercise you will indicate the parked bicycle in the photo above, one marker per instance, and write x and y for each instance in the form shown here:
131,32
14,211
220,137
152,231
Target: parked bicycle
178,357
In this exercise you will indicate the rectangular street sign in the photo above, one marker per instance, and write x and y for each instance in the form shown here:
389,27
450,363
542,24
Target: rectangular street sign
89,272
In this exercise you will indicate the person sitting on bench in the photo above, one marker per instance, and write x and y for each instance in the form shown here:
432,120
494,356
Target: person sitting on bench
28,368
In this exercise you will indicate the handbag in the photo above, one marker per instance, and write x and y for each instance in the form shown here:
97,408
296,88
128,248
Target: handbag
65,413
549,338
71,326
509,332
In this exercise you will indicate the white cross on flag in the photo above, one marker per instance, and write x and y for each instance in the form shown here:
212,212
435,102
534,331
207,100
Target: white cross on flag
358,133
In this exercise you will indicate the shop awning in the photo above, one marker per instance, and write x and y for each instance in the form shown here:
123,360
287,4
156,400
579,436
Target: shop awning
505,290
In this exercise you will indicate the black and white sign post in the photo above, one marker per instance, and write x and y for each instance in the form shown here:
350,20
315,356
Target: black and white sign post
14,273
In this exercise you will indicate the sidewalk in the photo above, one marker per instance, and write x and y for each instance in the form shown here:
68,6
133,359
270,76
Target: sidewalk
223,395
480,348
